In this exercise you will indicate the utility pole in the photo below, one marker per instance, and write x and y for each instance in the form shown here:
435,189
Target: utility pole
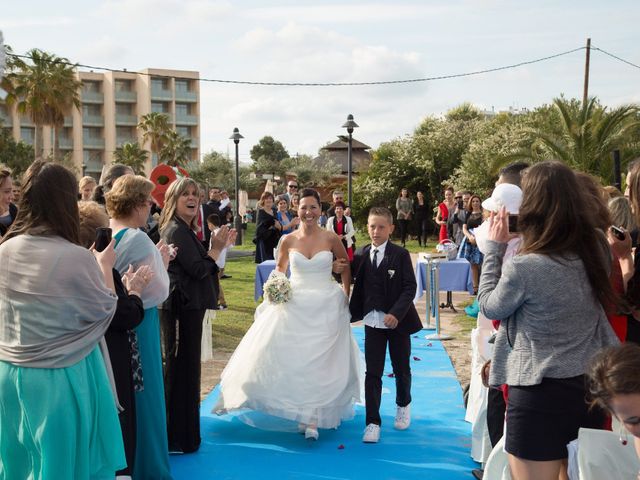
585,94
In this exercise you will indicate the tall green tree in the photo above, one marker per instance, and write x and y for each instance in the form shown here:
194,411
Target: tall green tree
215,169
309,171
588,133
45,88
155,129
133,155
267,155
16,155
176,150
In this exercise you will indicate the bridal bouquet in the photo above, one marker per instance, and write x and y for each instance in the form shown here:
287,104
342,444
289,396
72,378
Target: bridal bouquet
277,289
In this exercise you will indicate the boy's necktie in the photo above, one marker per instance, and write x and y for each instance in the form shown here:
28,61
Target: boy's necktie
375,258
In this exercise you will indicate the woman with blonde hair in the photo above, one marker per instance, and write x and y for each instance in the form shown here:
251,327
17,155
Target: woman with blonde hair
192,292
128,203
86,186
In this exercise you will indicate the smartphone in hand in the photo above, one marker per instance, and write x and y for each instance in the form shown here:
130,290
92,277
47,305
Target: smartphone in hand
617,232
103,238
513,223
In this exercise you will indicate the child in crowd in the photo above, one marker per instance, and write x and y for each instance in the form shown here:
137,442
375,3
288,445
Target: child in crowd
213,221
383,297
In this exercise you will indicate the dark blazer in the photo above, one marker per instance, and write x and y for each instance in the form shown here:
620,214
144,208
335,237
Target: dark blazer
206,211
267,236
400,289
191,272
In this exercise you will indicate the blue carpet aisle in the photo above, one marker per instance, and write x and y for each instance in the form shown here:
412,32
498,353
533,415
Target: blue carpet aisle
435,447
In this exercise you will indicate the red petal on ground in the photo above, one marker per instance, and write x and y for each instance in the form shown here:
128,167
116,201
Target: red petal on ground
341,447
417,359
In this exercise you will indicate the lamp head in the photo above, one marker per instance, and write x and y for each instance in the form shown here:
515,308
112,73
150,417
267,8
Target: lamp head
236,136
350,124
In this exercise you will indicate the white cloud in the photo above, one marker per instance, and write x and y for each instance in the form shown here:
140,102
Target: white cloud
29,22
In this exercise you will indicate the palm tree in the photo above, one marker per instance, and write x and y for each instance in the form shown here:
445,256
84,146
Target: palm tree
155,128
176,151
133,155
45,88
587,135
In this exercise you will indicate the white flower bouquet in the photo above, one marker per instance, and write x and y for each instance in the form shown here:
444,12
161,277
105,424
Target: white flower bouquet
277,289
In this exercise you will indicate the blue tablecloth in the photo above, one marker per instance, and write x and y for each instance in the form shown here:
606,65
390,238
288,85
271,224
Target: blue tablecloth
455,276
262,274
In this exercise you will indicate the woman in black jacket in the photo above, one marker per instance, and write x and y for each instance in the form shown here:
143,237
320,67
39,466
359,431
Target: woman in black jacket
191,293
268,229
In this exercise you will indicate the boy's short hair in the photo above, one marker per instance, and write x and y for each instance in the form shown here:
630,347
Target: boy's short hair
381,212
214,219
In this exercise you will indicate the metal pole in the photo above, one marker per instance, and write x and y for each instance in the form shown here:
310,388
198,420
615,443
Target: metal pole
349,167
429,292
617,174
238,220
436,285
585,94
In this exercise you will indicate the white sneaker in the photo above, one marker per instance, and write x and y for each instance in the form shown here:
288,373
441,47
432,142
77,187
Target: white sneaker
371,433
311,433
403,418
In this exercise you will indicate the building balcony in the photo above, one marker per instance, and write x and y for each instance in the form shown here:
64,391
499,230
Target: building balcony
161,94
186,119
128,96
92,120
65,143
194,142
68,122
186,96
123,119
92,97
93,165
25,120
95,143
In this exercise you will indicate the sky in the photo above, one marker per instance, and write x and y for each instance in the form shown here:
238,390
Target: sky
343,41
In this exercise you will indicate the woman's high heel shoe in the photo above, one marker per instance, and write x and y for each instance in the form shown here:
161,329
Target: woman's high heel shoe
311,433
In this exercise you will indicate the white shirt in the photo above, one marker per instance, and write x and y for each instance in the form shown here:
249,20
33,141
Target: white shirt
375,318
222,258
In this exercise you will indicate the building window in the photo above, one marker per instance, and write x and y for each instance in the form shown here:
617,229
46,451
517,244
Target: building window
124,109
90,109
182,109
89,132
184,131
160,83
160,107
182,86
89,86
27,134
124,86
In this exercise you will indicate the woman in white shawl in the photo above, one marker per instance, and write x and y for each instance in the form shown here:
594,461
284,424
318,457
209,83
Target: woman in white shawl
58,416
128,204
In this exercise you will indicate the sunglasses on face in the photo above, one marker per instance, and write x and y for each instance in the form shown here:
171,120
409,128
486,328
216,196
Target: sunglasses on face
293,186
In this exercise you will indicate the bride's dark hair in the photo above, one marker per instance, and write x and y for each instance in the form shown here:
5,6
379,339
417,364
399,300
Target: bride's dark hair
310,192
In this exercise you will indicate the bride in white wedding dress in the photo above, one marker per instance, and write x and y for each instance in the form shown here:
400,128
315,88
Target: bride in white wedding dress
299,361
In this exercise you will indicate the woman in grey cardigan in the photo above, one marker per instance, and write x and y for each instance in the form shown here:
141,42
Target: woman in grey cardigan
549,300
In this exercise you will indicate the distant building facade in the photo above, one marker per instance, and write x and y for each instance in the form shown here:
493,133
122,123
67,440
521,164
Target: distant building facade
112,104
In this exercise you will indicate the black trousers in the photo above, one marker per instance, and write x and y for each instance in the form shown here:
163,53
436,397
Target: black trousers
495,415
422,225
375,350
182,376
403,225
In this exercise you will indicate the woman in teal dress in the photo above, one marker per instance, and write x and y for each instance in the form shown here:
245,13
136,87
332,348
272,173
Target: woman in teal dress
58,412
128,204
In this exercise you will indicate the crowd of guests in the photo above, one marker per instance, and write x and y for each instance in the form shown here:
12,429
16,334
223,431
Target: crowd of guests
123,349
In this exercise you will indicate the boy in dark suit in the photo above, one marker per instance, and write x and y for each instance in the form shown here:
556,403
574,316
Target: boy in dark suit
385,286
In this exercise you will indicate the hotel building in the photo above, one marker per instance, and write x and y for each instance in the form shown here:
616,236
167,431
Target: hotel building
112,104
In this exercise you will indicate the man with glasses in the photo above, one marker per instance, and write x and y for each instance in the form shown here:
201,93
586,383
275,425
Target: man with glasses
292,187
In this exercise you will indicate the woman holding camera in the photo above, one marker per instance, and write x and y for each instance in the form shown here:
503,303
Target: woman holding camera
551,301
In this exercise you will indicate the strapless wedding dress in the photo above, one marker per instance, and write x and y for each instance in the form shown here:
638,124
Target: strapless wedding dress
298,361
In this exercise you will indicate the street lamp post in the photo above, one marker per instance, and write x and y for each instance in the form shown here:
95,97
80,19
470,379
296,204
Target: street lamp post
349,125
237,220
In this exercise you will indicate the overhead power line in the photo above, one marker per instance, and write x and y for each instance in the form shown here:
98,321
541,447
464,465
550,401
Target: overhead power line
347,84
